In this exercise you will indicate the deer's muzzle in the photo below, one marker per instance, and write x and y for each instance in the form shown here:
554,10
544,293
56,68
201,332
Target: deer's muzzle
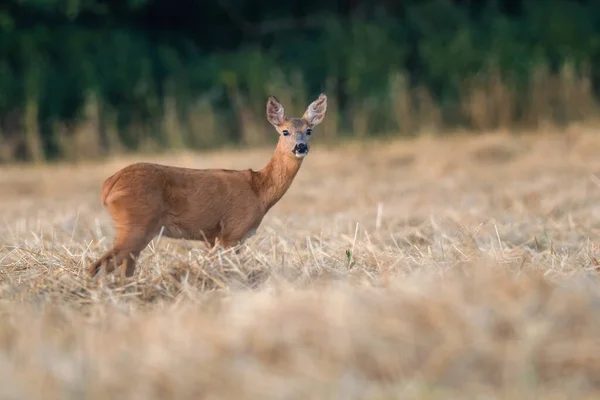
300,150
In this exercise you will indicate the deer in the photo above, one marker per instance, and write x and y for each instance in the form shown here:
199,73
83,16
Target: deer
220,207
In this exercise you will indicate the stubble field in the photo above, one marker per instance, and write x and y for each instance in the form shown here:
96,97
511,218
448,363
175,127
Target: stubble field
428,269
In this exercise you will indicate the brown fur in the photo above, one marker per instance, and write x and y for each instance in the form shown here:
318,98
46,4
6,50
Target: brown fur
202,204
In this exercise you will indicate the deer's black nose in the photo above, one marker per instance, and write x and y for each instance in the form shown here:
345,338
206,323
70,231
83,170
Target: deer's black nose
301,148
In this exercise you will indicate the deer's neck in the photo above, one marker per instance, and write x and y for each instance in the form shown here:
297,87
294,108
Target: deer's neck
276,177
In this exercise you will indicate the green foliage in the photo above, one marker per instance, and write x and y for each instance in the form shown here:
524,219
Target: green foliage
136,56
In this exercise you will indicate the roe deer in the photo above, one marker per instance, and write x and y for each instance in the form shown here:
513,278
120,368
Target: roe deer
207,205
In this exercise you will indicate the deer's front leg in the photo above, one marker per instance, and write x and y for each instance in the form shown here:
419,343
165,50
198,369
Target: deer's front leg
237,241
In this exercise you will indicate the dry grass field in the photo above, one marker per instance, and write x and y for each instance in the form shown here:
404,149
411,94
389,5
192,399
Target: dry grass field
453,268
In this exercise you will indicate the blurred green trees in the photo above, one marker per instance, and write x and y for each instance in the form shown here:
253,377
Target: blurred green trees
82,78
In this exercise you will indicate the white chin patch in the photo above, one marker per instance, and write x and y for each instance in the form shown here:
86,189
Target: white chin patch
300,155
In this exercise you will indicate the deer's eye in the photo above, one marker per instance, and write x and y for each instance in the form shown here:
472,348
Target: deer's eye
308,131
285,132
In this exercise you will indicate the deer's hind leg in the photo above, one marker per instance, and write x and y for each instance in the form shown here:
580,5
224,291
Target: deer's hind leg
134,231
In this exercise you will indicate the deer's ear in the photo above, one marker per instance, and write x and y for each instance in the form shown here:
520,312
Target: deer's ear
275,112
315,113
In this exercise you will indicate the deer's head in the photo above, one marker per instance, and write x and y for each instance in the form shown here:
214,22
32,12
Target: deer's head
295,133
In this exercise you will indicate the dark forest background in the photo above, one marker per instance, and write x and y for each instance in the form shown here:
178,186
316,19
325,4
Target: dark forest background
84,78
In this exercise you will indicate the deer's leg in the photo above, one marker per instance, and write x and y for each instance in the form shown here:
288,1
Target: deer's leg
125,251
131,261
128,247
237,239
134,232
229,243
210,243
106,259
